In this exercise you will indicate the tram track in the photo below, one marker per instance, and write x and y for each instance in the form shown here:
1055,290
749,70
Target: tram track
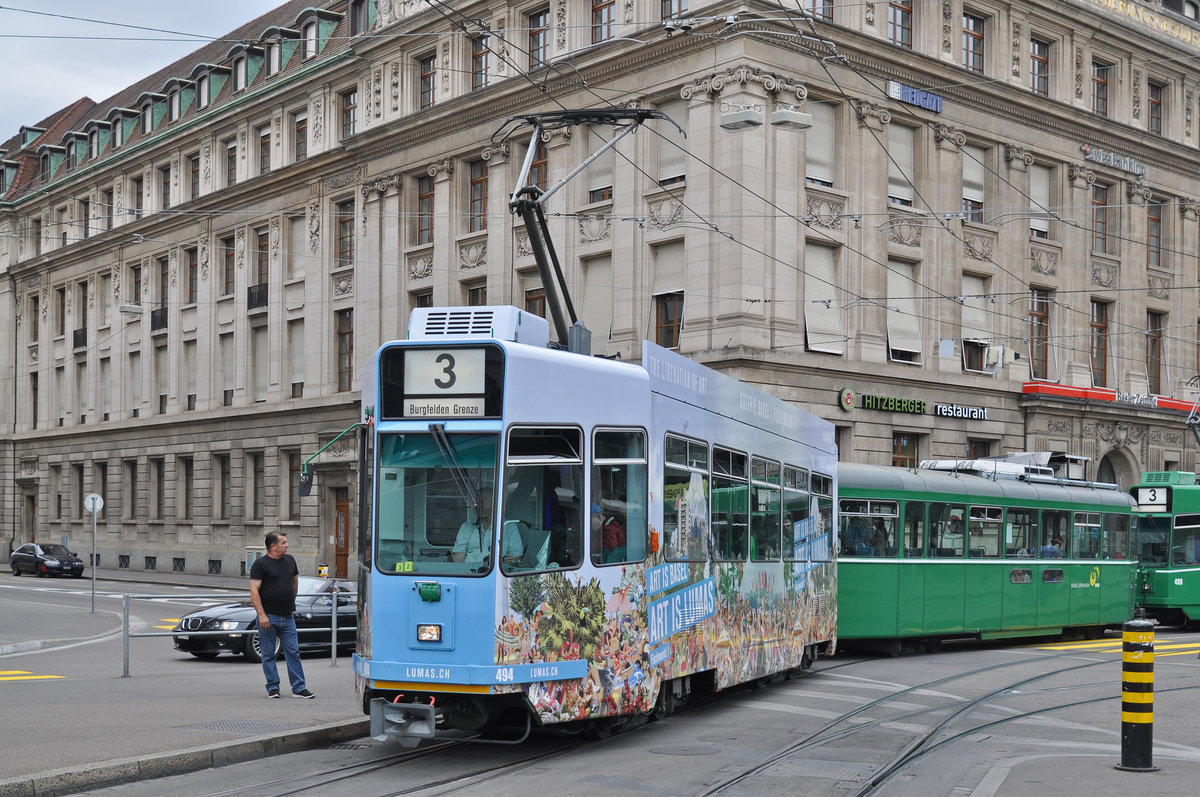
926,742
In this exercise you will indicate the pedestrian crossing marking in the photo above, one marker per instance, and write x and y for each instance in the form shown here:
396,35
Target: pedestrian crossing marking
1115,645
24,675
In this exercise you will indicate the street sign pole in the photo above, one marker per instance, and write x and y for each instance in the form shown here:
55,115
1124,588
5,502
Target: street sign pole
93,503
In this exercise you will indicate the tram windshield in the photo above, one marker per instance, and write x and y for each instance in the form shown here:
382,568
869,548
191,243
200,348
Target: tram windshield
435,509
1152,539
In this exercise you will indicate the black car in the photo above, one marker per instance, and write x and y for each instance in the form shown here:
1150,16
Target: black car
50,559
313,603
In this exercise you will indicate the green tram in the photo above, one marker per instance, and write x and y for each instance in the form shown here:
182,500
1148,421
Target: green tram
1168,507
947,552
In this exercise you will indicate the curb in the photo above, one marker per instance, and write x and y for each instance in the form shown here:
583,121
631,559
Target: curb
131,770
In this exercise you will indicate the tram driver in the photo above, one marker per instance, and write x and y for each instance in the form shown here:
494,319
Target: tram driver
474,542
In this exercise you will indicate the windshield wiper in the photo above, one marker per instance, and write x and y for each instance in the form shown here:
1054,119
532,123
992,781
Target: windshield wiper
438,430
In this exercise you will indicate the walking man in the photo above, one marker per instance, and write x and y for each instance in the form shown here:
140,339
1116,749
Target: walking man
274,580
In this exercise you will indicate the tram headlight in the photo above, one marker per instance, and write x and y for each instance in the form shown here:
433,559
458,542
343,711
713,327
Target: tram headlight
430,632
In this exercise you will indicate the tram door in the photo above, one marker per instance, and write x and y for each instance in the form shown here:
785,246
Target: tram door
341,526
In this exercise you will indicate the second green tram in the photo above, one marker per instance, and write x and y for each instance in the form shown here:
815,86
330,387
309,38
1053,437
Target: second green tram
1168,506
932,554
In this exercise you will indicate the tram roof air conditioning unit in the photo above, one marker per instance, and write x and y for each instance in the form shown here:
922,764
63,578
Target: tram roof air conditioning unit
466,323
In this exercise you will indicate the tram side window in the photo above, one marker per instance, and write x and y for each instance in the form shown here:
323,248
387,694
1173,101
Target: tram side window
542,525
730,506
1086,543
1056,527
765,510
1020,533
868,528
1185,543
914,529
822,490
799,516
1116,536
985,524
947,532
685,499
619,489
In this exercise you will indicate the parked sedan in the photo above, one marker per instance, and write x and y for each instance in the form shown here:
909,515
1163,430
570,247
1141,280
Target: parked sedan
50,559
239,622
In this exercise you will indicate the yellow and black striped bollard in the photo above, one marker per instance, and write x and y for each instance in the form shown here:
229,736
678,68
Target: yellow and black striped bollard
1137,697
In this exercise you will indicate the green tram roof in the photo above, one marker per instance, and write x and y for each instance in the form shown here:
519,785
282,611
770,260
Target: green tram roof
880,481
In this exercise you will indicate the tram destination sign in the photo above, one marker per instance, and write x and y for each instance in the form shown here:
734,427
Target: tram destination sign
455,382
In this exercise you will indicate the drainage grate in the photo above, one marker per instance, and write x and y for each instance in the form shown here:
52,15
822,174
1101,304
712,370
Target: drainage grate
249,727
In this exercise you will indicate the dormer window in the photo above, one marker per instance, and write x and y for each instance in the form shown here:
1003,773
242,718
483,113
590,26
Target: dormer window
44,166
147,118
202,92
173,104
274,58
94,144
310,39
70,155
358,17
239,74
118,132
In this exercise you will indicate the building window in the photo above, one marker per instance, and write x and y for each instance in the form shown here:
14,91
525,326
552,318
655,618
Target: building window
94,144
158,474
193,275
903,318
311,41
539,37
1154,108
164,187
427,71
539,165
477,295
901,146
135,284
345,349
900,22
202,91
228,266
85,217
164,281
358,17
264,150
60,312
973,175
274,57
187,474
972,43
224,502
173,105
1100,218
194,176
1099,343
345,233
1100,75
820,9
979,449
673,8
425,299
147,118
258,487
1154,217
1039,201
239,74
668,319
477,216
106,197
294,467
262,255
349,112
424,210
905,451
35,304
1155,322
138,196
300,136
535,301
480,61
230,162
602,20
820,144
1039,332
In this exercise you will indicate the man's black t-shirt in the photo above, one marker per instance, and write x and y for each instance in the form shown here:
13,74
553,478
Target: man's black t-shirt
276,591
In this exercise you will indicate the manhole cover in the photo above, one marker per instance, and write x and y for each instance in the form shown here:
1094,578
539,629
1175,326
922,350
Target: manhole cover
249,727
687,749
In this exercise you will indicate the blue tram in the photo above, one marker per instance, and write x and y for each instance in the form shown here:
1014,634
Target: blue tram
558,539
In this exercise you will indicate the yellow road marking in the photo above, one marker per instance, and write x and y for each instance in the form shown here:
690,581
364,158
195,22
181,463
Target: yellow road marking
28,677
14,672
165,627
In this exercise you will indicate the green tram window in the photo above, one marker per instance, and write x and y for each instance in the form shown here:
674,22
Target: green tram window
868,528
1152,545
1185,541
685,500
947,532
1116,536
619,489
1020,533
984,525
1086,536
766,511
1056,525
730,506
914,529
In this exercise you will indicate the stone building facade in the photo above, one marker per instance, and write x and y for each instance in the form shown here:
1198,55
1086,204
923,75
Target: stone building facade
195,269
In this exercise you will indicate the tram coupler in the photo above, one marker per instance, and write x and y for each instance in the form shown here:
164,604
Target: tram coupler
408,722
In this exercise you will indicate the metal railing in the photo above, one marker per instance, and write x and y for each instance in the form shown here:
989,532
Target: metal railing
126,634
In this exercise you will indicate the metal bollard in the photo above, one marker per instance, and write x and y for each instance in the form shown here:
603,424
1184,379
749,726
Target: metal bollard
1137,697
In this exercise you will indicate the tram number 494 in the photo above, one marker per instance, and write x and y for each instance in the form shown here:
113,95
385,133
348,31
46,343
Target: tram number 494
505,675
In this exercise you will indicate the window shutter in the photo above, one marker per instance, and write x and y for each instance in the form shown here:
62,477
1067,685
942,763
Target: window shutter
903,323
973,173
672,157
1039,197
598,300
822,312
668,268
900,163
296,350
600,171
974,311
819,143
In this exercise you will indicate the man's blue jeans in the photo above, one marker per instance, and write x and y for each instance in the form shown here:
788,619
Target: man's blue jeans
285,628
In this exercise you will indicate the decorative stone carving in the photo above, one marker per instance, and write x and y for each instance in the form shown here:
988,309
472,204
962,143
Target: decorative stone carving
823,211
343,283
1017,157
1017,41
1187,115
497,153
1060,426
242,145
665,213
947,27
1117,434
318,120
342,180
1135,189
314,226
172,265
1079,73
523,247
1137,93
1158,287
443,166
446,68
502,50
472,255
275,236
947,133
381,185
1188,207
1105,274
202,256
594,228
116,285
744,75
628,12
870,15
868,111
395,87
377,93
1044,261
904,230
1079,173
560,25
978,247
420,266
239,248
206,164
278,132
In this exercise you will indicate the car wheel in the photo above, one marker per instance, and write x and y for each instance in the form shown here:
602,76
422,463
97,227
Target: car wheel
204,654
16,571
253,648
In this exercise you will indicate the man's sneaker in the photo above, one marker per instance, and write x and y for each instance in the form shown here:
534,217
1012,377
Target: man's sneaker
273,693
304,694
